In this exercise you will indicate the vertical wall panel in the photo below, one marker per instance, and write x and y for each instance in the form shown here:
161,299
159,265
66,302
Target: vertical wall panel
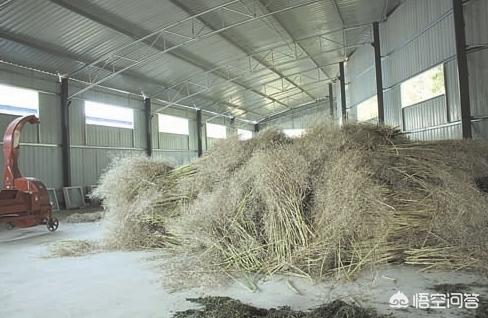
173,141
475,12
303,119
338,104
417,36
426,114
77,166
140,131
155,131
192,141
34,157
361,76
393,103
478,79
432,47
452,91
411,19
102,159
50,116
480,129
76,122
90,175
439,133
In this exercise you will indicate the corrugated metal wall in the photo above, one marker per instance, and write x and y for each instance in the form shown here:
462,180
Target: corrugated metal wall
361,78
476,12
303,119
232,127
416,37
40,154
176,149
93,147
419,35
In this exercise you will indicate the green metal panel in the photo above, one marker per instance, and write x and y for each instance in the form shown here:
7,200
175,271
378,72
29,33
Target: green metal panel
173,141
139,129
76,121
42,163
50,116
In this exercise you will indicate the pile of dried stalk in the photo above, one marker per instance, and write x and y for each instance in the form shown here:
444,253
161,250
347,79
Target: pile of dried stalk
329,203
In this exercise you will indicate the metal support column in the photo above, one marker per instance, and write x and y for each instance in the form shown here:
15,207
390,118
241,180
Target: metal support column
331,101
342,79
379,72
462,63
148,119
199,133
65,134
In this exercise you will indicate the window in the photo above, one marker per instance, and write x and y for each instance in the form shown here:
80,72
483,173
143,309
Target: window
173,125
108,115
294,133
368,109
424,86
216,131
18,101
244,134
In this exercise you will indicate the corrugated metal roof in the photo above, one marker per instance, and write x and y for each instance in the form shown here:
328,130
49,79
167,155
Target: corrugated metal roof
51,23
63,36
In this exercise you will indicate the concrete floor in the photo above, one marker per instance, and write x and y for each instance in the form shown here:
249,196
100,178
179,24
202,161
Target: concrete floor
128,284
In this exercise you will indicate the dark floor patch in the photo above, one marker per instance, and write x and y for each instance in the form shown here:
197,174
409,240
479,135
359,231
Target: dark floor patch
482,183
450,288
224,307
481,311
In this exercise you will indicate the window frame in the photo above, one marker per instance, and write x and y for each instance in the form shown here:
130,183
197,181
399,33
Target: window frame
215,125
8,108
105,121
248,134
177,118
442,67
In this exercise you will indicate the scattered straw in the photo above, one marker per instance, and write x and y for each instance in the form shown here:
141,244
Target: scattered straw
84,217
73,248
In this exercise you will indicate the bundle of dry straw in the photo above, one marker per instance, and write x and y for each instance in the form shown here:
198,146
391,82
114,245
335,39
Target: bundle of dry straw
328,203
139,196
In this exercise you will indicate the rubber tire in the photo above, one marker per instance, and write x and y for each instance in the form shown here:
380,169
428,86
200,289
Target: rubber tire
52,224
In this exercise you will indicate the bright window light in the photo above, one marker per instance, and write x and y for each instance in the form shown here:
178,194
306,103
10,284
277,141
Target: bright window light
424,86
18,101
216,131
173,125
294,133
244,134
368,109
108,115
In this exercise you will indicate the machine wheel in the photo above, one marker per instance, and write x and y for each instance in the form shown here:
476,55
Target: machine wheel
52,224
10,226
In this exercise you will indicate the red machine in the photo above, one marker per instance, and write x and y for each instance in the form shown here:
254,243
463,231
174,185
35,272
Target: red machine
24,202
